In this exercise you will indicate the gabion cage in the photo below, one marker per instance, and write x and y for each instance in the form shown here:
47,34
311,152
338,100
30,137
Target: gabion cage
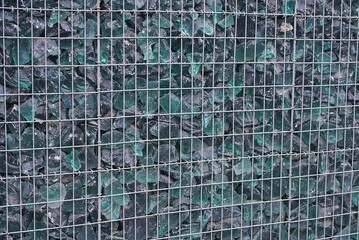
193,119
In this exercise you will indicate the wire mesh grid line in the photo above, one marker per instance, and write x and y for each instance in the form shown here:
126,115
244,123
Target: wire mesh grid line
203,119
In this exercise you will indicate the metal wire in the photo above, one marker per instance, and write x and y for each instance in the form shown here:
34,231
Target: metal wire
278,189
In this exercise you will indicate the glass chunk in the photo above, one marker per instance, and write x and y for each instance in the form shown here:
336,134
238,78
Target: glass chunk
56,16
147,176
73,160
205,25
54,194
28,109
288,6
22,53
195,60
228,21
170,103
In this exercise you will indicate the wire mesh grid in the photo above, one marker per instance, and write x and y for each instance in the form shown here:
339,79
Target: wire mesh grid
160,119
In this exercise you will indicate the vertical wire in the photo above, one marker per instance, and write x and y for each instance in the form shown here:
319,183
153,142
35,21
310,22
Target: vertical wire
273,130
221,159
192,101
123,117
19,115
181,107
74,95
98,89
292,118
6,124
338,110
302,89
352,147
214,129
244,105
105,92
280,156
324,152
281,178
135,124
46,108
147,138
170,120
313,66
354,115
147,124
329,131
46,87
85,149
232,91
157,164
60,105
32,74
158,66
253,101
20,123
111,111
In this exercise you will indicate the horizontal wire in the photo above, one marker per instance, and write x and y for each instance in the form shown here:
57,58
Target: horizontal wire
304,155
177,63
185,211
203,184
277,133
184,163
184,37
178,11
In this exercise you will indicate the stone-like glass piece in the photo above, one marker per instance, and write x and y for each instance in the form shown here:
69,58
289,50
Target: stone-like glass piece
170,103
28,109
22,53
73,160
54,194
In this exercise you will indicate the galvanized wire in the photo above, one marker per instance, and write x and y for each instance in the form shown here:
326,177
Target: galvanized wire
111,181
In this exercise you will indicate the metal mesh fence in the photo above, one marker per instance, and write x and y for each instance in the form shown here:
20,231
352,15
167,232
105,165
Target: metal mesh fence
160,119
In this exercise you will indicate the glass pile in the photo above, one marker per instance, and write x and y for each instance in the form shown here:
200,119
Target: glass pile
164,119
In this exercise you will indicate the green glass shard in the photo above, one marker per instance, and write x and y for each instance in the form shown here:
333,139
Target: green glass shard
12,141
165,51
53,194
205,25
104,52
309,24
113,139
333,135
56,17
169,221
195,60
249,50
228,21
124,100
147,176
230,148
243,167
21,80
326,65
28,109
91,28
170,103
110,209
32,138
269,52
118,193
288,6
73,160
21,53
